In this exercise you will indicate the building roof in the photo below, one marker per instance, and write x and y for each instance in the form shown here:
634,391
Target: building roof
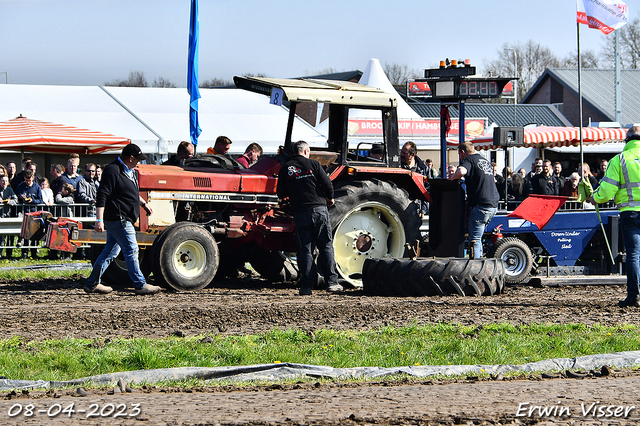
501,114
340,76
598,90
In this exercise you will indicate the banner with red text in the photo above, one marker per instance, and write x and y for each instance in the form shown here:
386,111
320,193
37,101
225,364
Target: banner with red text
604,15
474,127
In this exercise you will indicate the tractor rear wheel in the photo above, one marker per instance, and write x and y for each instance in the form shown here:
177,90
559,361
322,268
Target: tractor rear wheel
185,257
370,219
433,277
517,258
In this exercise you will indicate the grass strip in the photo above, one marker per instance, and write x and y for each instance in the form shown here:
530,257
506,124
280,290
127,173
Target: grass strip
436,344
8,274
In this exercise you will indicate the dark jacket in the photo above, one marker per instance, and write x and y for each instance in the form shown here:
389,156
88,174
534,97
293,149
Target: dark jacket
419,167
72,180
172,161
305,183
56,185
34,192
545,185
118,194
12,200
19,178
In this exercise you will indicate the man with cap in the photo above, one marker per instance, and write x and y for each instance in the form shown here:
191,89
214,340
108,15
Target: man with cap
118,208
621,181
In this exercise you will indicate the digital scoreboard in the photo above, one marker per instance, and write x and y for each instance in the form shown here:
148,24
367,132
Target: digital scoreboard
465,88
460,82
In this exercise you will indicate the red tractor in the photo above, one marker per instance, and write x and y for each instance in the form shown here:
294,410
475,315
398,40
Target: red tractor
211,216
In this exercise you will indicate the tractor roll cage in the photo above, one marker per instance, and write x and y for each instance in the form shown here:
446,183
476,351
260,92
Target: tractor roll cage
341,96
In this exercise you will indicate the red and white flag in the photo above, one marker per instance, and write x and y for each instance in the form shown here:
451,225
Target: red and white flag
604,15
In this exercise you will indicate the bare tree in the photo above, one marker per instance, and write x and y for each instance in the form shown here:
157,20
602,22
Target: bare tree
398,74
588,58
525,61
258,75
162,82
629,46
215,82
136,79
328,70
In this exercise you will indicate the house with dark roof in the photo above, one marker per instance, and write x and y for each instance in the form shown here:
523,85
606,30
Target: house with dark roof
559,87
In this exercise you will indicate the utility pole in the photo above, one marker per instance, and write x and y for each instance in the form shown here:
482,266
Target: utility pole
618,89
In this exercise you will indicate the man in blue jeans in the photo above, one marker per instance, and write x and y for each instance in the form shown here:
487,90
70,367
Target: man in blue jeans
621,182
117,208
482,195
309,190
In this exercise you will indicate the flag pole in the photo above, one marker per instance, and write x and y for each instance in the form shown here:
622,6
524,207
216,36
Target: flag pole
580,104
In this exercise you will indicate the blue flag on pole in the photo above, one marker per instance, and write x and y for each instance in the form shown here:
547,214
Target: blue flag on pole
192,73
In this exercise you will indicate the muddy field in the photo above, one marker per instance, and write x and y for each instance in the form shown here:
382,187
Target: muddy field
54,309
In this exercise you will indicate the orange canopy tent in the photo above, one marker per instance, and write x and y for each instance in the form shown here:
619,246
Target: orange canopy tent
24,134
548,137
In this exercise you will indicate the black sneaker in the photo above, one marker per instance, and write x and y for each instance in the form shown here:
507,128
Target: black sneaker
304,291
630,301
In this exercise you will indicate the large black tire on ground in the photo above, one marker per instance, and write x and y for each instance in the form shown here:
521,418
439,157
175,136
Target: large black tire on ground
433,277
185,257
517,257
275,266
370,219
117,274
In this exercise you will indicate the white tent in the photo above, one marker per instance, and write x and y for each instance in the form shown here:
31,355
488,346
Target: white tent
86,107
374,76
243,116
412,125
157,119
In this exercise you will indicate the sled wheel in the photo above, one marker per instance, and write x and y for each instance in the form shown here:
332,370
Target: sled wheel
517,258
186,257
433,277
370,219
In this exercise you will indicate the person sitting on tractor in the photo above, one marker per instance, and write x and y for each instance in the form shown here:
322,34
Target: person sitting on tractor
410,161
251,155
185,150
221,147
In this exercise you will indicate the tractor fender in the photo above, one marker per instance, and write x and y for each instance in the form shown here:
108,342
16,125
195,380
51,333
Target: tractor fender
412,182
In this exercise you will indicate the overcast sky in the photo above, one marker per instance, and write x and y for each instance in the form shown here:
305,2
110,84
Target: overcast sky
89,42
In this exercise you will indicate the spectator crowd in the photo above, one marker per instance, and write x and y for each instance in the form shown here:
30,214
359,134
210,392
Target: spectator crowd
27,191
545,178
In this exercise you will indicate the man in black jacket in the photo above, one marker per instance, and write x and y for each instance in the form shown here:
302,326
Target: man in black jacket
545,183
482,194
309,190
118,208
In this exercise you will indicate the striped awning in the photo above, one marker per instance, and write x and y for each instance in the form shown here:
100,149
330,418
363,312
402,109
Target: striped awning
27,135
549,137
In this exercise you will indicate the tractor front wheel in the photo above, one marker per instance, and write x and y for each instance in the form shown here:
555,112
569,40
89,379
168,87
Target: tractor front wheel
186,257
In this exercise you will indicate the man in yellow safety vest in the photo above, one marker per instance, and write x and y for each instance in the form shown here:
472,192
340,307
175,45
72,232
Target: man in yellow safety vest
622,182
